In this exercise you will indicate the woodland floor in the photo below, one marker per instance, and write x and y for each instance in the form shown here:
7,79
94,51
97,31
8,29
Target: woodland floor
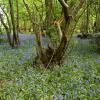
77,79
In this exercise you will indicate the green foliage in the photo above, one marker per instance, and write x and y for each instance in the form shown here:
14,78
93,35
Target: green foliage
78,78
2,40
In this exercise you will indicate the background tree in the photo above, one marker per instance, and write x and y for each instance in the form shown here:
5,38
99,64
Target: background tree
15,37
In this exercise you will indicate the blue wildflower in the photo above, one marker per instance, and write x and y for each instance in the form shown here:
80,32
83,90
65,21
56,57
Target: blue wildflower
87,81
92,92
21,62
98,61
27,56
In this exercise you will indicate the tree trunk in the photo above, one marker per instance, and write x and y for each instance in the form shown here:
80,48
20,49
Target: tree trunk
15,40
97,22
17,23
7,30
51,55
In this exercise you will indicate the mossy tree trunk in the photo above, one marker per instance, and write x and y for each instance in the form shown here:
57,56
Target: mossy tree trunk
52,55
55,56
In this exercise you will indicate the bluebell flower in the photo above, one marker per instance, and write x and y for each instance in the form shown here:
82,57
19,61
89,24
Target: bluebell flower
21,62
98,61
67,94
87,81
27,56
92,92
81,82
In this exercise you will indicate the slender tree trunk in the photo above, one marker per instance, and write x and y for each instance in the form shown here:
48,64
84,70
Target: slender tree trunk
87,17
98,18
17,24
7,30
7,18
15,41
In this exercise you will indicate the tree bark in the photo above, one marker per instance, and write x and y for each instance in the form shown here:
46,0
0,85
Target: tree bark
7,30
51,55
15,40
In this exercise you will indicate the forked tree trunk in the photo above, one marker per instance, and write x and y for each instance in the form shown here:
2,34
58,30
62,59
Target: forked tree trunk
51,56
55,56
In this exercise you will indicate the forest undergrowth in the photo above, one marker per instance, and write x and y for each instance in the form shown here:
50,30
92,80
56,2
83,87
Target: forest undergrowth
77,79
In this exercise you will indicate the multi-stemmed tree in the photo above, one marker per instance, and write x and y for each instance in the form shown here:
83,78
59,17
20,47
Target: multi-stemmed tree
65,24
